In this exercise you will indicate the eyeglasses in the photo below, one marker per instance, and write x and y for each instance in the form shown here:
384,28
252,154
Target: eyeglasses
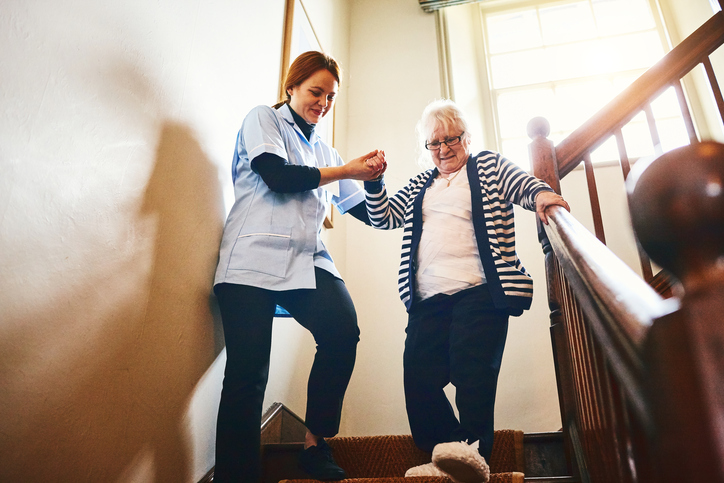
449,142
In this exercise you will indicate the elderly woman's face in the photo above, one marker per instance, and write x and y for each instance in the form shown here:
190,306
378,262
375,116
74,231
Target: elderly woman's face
449,159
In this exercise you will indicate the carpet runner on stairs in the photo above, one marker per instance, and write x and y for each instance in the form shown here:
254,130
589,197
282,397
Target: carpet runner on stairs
385,459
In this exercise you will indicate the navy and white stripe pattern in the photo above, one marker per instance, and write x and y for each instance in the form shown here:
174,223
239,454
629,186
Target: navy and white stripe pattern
499,183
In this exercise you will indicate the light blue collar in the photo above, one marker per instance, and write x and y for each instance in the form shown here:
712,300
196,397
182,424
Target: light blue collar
287,115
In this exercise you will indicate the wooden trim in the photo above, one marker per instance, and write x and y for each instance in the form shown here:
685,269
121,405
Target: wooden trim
286,46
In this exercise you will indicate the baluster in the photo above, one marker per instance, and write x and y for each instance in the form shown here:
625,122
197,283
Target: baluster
714,85
685,112
655,140
646,270
593,196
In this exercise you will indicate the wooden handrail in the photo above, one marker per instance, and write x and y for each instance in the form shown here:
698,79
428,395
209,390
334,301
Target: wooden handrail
619,305
640,377
615,292
682,59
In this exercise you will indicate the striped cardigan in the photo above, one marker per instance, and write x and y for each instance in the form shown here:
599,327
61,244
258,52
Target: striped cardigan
495,183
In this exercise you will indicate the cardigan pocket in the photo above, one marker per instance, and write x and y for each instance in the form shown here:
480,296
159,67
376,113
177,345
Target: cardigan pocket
263,251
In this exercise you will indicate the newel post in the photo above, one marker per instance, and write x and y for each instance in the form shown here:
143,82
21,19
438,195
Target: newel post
542,153
545,166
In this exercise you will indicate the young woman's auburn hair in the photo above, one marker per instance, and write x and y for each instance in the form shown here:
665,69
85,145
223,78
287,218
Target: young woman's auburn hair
303,67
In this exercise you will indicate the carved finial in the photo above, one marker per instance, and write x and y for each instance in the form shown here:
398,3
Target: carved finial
538,127
677,210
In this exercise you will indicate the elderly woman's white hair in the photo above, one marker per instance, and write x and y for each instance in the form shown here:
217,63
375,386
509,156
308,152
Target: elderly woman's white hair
440,112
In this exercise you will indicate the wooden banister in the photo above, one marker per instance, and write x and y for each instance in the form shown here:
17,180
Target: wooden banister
640,377
613,292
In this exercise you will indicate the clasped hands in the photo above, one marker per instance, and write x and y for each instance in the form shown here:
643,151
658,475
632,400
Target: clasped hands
368,167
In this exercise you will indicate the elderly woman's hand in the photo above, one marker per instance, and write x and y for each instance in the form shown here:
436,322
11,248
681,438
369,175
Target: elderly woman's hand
544,199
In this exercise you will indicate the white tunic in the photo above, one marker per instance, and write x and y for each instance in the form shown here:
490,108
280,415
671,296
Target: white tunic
447,258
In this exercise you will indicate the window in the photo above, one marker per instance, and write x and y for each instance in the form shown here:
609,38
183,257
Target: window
564,60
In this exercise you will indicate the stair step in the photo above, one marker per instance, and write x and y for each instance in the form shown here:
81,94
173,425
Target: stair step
388,457
552,479
545,455
540,456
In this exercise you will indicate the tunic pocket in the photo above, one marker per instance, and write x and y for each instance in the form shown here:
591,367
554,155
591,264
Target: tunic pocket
264,252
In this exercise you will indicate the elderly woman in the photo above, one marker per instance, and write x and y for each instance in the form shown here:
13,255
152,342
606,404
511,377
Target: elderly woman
460,279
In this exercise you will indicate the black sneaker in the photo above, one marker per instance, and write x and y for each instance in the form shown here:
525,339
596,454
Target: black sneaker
317,461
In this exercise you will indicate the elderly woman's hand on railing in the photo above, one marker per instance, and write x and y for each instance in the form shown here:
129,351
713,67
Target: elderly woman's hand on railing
545,199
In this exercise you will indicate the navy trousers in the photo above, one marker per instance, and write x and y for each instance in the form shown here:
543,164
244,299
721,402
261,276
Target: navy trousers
456,339
247,314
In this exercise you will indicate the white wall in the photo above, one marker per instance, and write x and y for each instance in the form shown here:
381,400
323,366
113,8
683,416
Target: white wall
118,122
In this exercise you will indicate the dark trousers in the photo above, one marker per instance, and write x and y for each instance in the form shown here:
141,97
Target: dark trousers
456,339
247,314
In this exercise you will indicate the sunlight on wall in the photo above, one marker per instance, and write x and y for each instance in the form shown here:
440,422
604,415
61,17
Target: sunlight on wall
117,120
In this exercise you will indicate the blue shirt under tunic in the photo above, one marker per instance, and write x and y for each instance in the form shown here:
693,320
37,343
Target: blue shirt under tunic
272,240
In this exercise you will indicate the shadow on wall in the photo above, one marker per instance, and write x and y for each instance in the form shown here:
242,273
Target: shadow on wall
111,406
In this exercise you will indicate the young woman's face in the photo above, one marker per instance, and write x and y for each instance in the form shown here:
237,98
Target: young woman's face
314,98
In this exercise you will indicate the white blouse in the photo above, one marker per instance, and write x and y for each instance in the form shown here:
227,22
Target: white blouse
447,258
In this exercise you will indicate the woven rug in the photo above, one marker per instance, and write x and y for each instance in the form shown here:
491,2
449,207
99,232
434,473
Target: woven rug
513,477
385,459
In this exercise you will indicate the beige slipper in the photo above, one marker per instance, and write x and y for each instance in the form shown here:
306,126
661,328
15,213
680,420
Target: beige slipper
461,461
428,469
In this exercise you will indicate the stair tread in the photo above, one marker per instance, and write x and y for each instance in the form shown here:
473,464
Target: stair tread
385,459
510,477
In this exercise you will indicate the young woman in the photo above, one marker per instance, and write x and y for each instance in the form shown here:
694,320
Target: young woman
272,254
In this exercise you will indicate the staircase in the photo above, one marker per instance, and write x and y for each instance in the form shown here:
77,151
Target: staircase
516,457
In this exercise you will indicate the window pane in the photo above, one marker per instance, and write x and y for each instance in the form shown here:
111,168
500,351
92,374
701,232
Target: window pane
516,108
519,68
637,137
516,150
610,20
567,23
513,31
604,56
608,151
635,51
564,60
576,102
672,132
666,105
